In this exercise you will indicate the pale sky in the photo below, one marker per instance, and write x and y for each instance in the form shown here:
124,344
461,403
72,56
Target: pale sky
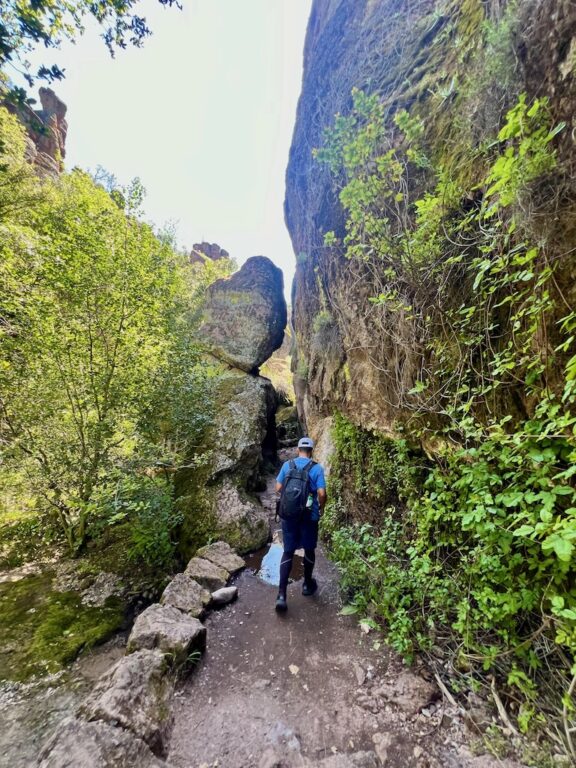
203,114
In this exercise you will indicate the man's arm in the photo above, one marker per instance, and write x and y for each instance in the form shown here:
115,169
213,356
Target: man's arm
322,498
278,487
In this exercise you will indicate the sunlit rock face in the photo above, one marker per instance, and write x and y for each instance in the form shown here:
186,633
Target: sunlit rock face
46,131
349,357
245,315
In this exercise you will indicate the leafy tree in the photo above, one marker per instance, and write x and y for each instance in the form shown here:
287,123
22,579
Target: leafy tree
25,24
95,316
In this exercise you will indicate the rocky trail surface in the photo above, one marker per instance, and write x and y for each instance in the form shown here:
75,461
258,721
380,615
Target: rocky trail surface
307,688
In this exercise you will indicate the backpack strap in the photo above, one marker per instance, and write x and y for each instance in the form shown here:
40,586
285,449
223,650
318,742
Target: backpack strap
292,464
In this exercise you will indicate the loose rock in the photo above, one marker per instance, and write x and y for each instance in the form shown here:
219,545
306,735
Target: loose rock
134,693
408,691
187,595
166,628
224,596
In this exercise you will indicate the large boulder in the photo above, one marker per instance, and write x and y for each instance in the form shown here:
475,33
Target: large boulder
79,744
170,630
243,419
135,694
214,498
245,315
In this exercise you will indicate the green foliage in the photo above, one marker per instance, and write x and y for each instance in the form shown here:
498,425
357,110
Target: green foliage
103,392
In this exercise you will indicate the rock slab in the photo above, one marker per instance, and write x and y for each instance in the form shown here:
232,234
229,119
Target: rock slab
169,630
187,595
79,744
245,315
210,576
221,554
135,694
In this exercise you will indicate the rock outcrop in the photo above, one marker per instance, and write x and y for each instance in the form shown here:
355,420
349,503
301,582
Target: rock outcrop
245,315
168,629
46,129
187,595
201,252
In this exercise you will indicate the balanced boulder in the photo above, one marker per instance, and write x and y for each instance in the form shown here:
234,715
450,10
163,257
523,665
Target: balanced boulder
245,315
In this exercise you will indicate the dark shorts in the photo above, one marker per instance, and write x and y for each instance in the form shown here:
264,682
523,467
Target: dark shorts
299,534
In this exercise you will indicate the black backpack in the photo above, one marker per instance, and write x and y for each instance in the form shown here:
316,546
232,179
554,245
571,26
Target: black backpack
295,492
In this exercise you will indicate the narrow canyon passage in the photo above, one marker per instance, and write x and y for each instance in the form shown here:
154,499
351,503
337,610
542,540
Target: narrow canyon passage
305,688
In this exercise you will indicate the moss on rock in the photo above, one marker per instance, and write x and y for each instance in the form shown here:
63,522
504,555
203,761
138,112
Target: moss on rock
43,629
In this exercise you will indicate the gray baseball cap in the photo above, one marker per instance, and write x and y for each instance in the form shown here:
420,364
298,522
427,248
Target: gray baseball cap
305,442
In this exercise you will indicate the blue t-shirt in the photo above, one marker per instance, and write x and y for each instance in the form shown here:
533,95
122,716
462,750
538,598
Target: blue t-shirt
315,478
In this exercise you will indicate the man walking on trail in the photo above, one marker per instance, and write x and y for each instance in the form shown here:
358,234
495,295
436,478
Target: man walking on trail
302,490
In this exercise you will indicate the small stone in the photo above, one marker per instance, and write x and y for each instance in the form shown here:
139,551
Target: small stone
360,673
382,743
224,596
259,685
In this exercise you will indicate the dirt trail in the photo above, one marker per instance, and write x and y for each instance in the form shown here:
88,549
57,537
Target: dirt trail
306,688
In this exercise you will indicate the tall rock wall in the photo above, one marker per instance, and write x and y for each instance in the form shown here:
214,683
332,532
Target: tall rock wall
440,61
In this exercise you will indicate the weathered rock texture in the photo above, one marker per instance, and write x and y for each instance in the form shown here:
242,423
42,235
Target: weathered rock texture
169,630
222,555
408,55
210,576
135,694
245,315
187,595
217,499
46,129
79,744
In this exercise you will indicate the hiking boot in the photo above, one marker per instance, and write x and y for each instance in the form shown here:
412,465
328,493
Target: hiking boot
309,588
281,604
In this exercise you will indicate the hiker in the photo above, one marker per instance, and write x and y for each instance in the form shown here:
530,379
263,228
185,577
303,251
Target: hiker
302,490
